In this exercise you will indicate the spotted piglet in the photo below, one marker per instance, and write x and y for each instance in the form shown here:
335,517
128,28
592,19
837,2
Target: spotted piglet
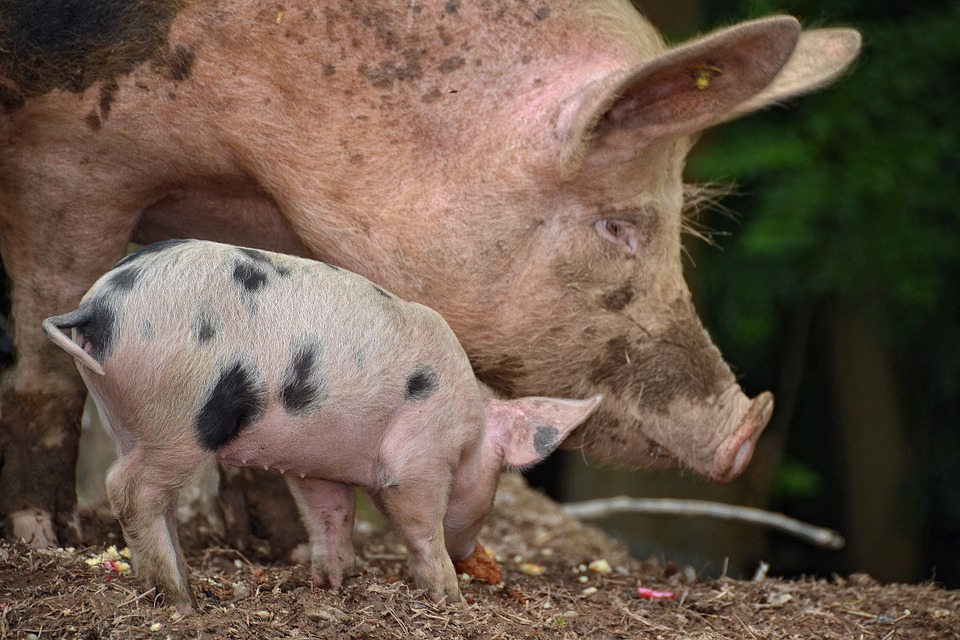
195,351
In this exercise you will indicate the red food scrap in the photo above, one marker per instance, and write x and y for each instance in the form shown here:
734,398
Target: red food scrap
480,565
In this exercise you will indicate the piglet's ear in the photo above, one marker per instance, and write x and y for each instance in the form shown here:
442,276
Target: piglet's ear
527,430
684,90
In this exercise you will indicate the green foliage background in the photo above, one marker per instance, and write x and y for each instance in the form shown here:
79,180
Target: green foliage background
850,200
860,188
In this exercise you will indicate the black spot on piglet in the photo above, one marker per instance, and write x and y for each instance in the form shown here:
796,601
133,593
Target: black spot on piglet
250,276
254,254
206,323
264,259
545,440
96,325
124,280
236,400
422,384
303,385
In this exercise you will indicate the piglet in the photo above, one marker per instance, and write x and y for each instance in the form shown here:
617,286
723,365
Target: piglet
196,351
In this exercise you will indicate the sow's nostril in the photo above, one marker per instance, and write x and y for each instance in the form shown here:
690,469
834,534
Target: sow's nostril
734,458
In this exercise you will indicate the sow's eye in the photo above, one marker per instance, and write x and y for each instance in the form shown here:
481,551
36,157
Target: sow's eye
622,234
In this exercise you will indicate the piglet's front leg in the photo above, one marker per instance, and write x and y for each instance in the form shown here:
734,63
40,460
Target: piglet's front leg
416,509
327,509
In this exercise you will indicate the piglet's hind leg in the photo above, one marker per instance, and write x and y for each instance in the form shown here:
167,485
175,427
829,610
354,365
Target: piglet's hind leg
143,497
327,509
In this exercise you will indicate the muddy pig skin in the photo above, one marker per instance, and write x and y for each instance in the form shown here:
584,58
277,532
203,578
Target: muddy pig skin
195,351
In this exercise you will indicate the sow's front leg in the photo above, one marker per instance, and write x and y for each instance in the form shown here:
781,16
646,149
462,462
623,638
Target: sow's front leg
327,509
52,255
41,401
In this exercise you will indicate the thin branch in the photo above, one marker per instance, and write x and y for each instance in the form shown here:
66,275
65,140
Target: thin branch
604,507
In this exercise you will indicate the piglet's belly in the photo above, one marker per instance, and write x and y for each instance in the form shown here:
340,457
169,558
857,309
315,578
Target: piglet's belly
306,451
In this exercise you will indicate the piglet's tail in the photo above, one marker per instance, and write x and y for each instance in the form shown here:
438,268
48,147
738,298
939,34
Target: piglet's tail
54,328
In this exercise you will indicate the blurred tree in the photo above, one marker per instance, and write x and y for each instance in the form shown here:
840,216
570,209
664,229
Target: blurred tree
841,286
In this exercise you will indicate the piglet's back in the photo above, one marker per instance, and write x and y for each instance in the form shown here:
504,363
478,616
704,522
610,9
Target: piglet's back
239,335
205,295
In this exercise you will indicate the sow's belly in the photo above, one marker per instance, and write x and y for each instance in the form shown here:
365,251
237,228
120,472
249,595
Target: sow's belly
233,212
317,447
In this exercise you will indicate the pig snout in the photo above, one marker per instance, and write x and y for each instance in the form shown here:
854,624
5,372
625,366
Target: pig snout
735,452
670,400
714,436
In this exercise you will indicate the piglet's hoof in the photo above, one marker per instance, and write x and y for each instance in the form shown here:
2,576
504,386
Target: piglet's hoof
480,565
183,605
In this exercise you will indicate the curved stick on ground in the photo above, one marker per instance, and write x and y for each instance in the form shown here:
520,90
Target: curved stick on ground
605,507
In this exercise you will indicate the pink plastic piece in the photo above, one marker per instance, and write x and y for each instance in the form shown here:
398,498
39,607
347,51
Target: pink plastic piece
650,594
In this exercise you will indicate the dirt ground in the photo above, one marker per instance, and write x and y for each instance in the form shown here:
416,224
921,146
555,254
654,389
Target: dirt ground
554,585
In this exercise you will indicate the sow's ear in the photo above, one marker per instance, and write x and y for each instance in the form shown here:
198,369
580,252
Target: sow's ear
696,85
820,57
527,430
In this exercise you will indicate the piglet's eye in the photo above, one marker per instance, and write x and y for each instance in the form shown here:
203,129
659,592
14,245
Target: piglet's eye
619,232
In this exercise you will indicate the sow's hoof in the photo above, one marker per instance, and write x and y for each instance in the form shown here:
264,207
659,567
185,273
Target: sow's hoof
480,565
